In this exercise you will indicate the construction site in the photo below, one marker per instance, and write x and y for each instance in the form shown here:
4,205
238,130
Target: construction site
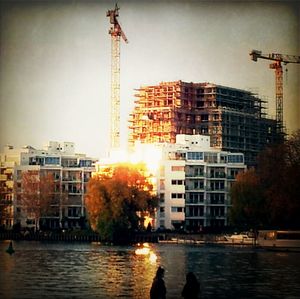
235,119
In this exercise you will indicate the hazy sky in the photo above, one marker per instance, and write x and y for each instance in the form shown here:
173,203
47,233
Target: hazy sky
55,61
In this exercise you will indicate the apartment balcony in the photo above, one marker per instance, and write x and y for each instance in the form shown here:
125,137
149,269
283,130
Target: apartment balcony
72,179
195,203
192,175
194,189
216,203
213,189
218,217
75,192
221,175
191,217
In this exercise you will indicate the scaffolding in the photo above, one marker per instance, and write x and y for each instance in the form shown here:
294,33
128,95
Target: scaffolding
235,119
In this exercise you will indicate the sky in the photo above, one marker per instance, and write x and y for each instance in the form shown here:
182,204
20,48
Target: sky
55,61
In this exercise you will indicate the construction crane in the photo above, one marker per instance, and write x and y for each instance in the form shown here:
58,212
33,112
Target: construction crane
116,32
277,66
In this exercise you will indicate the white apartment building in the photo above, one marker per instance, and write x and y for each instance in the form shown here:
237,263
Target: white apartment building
193,184
70,171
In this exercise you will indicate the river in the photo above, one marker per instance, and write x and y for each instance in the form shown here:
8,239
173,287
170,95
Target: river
84,270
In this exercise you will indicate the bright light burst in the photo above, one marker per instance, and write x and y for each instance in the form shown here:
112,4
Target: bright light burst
150,154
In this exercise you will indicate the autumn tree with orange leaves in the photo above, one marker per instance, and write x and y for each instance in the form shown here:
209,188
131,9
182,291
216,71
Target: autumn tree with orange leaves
36,195
114,199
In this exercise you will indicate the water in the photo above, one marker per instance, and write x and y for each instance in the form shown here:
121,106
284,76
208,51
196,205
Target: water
80,270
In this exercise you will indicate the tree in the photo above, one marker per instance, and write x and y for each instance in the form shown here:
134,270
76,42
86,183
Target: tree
269,196
279,172
37,193
248,202
114,199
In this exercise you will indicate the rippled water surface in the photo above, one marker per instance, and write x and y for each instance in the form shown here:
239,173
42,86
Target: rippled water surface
79,270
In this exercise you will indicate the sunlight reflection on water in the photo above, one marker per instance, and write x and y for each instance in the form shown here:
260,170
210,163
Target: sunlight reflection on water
78,270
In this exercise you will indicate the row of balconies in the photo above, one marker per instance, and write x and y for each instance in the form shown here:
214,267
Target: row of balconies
206,188
73,191
71,179
207,202
209,175
204,215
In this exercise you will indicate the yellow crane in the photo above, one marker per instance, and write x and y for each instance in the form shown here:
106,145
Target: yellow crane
116,32
278,59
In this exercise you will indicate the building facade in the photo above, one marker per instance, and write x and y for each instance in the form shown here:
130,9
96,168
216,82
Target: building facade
234,119
9,159
70,173
193,184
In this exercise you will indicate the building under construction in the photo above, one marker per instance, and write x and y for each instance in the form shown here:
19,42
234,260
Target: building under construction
235,119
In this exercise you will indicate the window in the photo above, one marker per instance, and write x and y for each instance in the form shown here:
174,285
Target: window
52,161
177,195
73,212
199,171
218,185
85,163
177,182
235,158
69,162
223,158
196,198
198,184
177,209
161,197
195,156
217,198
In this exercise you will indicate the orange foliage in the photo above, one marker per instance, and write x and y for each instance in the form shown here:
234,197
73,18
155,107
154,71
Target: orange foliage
121,189
36,194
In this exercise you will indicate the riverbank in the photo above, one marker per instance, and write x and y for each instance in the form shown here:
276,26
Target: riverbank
141,237
65,236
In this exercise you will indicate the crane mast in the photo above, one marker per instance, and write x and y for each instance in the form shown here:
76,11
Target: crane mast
277,66
116,32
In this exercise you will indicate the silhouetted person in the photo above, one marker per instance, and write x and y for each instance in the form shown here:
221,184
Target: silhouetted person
191,288
158,288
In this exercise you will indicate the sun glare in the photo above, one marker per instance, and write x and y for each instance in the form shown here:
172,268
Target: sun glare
146,251
150,154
